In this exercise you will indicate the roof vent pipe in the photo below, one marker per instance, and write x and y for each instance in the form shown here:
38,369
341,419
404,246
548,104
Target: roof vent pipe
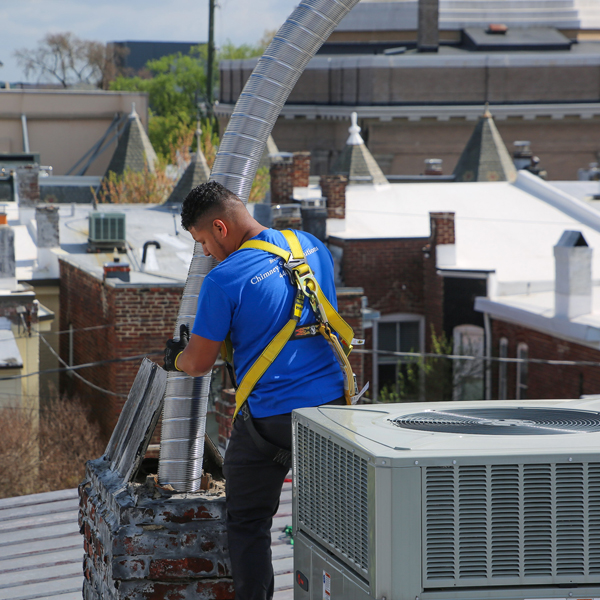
573,276
236,163
145,254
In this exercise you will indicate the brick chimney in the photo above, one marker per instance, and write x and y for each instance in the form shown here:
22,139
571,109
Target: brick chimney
28,191
573,276
428,37
47,221
117,270
301,169
282,178
442,233
333,187
7,258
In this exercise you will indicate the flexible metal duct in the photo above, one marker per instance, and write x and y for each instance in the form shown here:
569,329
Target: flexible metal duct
242,146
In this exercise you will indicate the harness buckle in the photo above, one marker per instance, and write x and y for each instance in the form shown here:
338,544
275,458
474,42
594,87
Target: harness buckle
292,264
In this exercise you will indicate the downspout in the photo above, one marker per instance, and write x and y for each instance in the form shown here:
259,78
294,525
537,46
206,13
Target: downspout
236,163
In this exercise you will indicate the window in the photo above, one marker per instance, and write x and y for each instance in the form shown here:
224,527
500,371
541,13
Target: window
467,375
502,370
399,333
522,371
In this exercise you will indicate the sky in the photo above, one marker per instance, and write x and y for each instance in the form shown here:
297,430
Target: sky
25,22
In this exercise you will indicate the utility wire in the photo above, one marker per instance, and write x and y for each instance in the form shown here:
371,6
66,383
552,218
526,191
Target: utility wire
82,366
75,374
541,361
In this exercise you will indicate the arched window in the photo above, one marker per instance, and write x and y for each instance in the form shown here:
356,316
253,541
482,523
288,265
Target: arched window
522,371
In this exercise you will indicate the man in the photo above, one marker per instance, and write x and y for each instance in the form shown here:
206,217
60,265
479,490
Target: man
249,296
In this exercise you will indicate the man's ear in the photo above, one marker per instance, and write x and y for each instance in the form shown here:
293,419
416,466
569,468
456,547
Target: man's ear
220,228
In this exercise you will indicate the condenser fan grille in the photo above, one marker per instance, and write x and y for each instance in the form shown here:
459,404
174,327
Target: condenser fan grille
502,421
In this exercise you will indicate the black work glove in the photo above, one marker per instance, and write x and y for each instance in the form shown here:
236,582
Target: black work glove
175,347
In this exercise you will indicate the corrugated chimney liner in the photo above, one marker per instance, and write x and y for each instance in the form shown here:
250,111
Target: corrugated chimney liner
428,37
573,276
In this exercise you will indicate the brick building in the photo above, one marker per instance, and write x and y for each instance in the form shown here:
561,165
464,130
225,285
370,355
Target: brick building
423,253
112,320
561,325
414,105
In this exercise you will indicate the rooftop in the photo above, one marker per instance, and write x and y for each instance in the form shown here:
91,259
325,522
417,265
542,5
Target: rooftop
497,224
41,549
167,265
456,14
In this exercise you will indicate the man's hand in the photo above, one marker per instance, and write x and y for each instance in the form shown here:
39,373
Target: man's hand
175,347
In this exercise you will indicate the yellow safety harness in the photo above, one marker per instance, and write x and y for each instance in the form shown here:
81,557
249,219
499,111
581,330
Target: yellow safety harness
329,323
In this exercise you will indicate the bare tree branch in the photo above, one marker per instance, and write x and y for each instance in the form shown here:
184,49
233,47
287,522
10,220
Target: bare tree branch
65,58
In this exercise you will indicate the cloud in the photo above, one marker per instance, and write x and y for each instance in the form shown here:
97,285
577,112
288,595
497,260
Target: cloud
26,22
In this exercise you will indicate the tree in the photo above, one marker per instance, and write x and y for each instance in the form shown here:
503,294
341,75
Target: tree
175,85
65,58
230,51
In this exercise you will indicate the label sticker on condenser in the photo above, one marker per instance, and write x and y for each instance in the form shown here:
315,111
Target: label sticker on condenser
326,586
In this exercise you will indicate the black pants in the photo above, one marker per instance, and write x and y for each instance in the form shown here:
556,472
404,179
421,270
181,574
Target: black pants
253,486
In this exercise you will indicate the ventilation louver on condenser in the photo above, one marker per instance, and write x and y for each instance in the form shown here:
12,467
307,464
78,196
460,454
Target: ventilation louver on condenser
448,501
106,229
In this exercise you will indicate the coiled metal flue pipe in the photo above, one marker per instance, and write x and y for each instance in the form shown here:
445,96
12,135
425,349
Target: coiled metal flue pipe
240,151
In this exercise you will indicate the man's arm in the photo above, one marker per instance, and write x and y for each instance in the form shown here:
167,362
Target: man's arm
199,356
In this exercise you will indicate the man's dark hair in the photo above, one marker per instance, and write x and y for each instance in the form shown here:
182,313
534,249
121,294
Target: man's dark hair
203,201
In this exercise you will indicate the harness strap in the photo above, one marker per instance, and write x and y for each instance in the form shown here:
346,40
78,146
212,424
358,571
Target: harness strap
330,322
275,453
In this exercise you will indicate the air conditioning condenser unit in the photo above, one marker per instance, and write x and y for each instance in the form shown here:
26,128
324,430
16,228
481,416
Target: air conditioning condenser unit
448,501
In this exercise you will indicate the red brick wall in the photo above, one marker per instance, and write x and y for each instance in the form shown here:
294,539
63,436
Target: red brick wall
399,276
127,321
390,271
545,381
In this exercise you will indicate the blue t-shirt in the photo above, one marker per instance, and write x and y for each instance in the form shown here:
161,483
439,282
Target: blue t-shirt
250,295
